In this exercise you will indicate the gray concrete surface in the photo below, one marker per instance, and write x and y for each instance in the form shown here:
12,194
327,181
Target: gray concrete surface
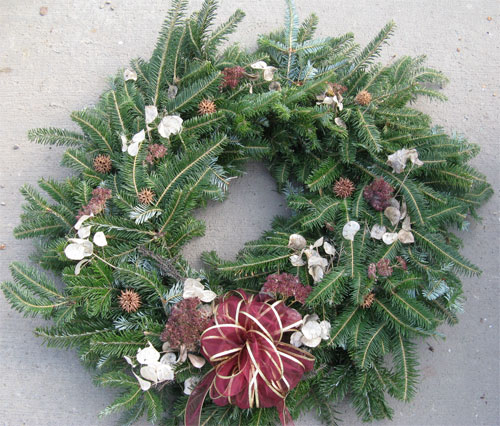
53,64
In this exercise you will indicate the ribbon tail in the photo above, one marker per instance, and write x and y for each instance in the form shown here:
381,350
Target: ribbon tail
285,416
194,405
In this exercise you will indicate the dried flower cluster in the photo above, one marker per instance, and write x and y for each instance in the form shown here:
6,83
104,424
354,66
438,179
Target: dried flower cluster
384,268
372,271
206,106
155,152
343,188
401,263
231,77
363,98
185,324
97,203
378,194
102,164
129,300
287,285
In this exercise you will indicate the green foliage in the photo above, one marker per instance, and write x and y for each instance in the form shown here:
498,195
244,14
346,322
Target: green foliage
308,147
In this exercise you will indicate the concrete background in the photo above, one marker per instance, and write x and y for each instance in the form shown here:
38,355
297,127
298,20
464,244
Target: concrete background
51,65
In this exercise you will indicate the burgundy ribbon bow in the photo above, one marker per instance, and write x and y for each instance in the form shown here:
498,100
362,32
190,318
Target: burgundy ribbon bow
253,367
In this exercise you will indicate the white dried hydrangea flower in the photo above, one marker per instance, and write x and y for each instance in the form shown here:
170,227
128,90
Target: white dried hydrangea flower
170,125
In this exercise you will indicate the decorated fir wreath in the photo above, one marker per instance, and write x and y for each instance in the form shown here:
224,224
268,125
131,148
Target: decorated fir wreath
328,302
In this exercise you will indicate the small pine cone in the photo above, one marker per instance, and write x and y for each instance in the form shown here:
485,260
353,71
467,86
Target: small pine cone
129,300
343,188
146,196
363,98
368,300
102,164
206,106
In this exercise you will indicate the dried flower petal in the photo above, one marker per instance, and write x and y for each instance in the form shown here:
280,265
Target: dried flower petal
100,239
329,249
297,242
172,91
196,360
296,339
398,160
144,384
393,214
129,74
377,231
147,355
269,73
124,142
297,260
406,225
151,112
190,384
84,231
318,243
340,122
389,237
79,266
82,219
406,237
350,229
74,251
325,329
259,65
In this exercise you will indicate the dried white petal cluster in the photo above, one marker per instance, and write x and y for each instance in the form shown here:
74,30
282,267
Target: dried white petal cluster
80,248
268,73
194,288
312,332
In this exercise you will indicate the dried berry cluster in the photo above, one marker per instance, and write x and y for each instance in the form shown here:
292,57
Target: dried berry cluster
155,152
378,194
185,324
231,77
287,285
97,203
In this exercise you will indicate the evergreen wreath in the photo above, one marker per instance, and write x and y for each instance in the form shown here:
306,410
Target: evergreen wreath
314,309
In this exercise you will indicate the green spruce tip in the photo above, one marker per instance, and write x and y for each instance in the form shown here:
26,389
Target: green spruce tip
308,147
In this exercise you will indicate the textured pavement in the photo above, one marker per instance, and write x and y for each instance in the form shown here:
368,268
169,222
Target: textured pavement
51,65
